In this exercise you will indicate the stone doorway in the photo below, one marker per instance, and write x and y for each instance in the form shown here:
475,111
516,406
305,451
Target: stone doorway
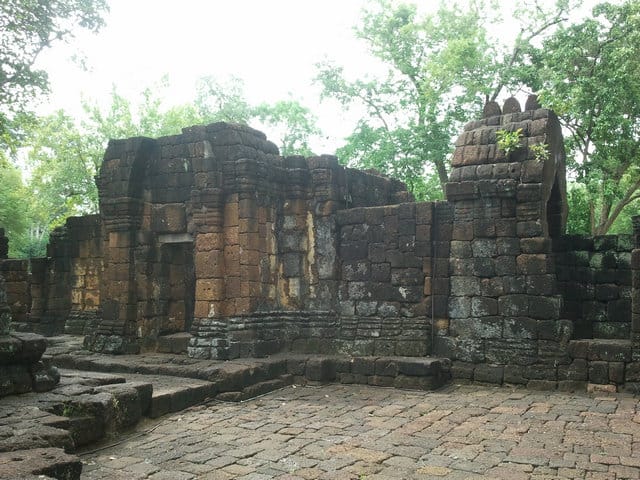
178,272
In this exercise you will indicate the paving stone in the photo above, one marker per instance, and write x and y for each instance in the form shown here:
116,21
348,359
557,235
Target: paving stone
358,431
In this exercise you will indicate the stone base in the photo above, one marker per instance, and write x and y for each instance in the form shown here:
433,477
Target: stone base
115,344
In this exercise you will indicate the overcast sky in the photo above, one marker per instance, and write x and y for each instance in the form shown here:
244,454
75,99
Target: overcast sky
272,45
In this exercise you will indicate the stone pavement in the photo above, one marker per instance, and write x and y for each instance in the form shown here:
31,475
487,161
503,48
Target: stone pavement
362,432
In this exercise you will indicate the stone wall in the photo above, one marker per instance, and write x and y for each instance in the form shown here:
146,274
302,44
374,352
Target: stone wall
58,293
594,277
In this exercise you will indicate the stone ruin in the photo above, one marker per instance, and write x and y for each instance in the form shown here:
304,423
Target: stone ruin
212,244
21,367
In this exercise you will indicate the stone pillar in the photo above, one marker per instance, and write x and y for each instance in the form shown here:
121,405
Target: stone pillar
4,245
209,329
121,183
5,311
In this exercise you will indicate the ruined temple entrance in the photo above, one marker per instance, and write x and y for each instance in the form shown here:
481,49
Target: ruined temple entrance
178,285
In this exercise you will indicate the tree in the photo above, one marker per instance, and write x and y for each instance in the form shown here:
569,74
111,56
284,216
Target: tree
440,70
435,68
590,75
13,214
294,124
219,101
27,28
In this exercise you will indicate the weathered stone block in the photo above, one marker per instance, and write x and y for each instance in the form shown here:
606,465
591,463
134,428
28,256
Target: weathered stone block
363,365
607,292
487,373
475,328
576,370
461,266
599,372
513,305
484,267
465,286
609,350
515,374
531,228
508,246
484,306
520,328
459,307
320,370
534,264
545,307
511,351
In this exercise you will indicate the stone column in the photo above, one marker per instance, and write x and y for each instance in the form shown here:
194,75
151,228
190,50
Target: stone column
208,328
121,184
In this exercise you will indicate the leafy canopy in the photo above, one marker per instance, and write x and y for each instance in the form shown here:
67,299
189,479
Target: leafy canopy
27,27
590,75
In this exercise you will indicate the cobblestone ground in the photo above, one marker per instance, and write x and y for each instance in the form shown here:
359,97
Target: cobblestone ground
359,432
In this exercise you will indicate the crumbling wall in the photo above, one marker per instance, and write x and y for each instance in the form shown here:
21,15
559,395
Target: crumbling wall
212,237
60,292
594,278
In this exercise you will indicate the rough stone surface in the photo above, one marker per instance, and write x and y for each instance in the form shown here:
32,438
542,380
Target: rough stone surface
40,463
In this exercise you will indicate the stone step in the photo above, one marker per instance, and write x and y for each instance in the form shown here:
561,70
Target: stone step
172,394
419,373
174,343
424,373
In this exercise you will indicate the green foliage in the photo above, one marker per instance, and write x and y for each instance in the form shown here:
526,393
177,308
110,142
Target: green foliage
578,220
28,27
540,152
13,208
219,101
293,123
509,142
590,76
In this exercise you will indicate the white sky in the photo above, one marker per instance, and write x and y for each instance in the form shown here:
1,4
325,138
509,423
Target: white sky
273,45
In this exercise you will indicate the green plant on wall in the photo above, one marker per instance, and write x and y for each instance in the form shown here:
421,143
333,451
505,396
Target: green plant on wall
540,151
508,141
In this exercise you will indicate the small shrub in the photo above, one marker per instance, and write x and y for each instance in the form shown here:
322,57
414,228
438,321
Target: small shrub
508,141
540,151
